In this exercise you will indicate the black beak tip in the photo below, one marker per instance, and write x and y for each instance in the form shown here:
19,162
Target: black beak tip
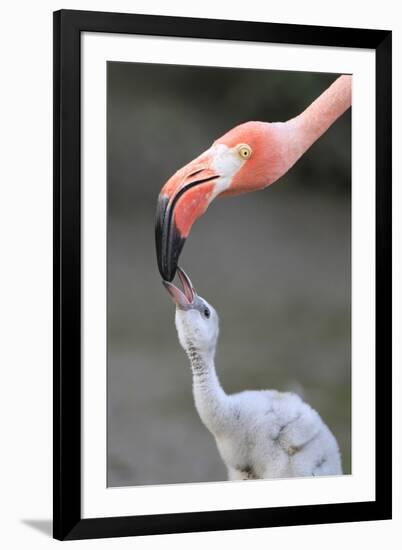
168,240
167,272
168,260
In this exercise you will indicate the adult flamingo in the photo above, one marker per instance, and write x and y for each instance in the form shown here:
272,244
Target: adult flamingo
249,157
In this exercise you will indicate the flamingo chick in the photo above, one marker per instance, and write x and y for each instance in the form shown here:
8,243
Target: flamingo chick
259,434
248,158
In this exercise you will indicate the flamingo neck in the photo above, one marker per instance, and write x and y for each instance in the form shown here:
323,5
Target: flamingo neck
307,127
210,399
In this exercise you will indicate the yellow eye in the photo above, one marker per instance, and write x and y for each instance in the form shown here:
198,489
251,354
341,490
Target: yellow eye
244,151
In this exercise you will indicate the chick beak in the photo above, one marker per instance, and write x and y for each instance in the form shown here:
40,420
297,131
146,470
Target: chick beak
183,299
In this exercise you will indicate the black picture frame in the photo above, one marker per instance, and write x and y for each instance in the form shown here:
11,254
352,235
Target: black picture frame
68,522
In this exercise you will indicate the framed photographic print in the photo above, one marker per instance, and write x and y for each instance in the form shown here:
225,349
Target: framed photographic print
262,395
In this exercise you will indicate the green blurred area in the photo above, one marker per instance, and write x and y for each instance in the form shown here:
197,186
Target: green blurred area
275,264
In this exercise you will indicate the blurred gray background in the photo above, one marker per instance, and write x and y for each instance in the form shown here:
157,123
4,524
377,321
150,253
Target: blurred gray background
275,264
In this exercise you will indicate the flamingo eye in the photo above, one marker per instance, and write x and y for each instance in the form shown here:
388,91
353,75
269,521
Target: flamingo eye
244,151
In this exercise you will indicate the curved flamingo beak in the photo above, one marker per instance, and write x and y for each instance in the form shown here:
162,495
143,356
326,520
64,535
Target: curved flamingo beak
182,200
182,299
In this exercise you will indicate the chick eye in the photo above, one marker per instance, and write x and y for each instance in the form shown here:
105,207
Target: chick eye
245,151
207,313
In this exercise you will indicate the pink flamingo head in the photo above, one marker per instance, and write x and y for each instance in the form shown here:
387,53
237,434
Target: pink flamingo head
249,157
